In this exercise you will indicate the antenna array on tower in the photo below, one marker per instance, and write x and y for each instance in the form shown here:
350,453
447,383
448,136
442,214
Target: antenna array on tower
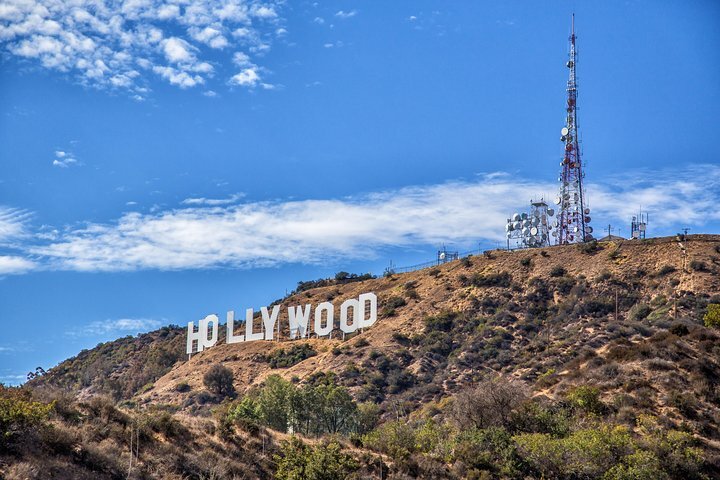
573,217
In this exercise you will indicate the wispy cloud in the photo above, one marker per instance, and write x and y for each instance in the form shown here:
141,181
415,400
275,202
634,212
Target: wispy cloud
343,14
64,159
252,234
13,223
213,201
115,326
122,45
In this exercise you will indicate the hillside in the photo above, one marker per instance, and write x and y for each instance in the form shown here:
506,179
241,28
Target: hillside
540,322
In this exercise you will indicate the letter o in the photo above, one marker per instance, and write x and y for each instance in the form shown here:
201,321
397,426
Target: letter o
321,331
346,305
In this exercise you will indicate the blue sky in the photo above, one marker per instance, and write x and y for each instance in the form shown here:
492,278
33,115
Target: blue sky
161,160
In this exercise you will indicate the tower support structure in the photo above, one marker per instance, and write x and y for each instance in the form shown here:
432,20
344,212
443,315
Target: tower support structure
573,219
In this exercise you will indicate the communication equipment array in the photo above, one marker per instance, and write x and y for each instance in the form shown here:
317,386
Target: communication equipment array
572,222
530,230
638,226
443,256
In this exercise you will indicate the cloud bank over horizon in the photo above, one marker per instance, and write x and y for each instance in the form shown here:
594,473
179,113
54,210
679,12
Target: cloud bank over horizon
206,233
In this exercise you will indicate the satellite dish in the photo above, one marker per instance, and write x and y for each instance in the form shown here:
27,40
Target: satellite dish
551,212
533,231
642,227
576,229
558,200
588,229
525,231
587,219
587,211
569,64
564,131
554,234
524,216
518,225
543,220
635,234
588,237
516,217
442,256
509,227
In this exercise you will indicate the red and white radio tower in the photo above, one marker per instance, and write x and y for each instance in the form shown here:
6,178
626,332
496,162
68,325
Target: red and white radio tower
574,216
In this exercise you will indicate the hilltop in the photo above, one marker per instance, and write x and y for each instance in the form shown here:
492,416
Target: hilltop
604,332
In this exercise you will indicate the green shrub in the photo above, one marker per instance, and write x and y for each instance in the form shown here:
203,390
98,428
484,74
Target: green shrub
698,266
679,329
219,380
442,322
558,271
182,387
19,414
502,279
639,312
526,262
327,461
282,358
588,247
587,399
712,317
665,270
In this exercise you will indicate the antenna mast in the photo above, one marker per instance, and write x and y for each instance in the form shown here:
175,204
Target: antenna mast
574,215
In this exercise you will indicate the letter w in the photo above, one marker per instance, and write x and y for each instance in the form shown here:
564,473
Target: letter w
299,319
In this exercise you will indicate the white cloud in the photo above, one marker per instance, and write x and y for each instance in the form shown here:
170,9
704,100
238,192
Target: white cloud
264,11
13,223
319,20
64,159
15,265
213,201
247,77
344,14
101,44
310,231
241,59
116,326
178,50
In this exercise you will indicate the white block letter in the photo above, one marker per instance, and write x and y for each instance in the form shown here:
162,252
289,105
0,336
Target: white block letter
321,331
269,320
249,335
346,305
298,319
229,326
365,320
201,335
193,336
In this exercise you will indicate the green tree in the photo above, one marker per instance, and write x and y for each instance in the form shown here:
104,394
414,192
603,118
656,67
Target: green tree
712,317
247,408
336,408
273,402
292,461
329,462
219,380
297,461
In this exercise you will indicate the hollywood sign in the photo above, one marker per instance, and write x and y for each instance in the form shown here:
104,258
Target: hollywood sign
363,308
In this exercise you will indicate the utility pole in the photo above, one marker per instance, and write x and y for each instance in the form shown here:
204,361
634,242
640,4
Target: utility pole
616,305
